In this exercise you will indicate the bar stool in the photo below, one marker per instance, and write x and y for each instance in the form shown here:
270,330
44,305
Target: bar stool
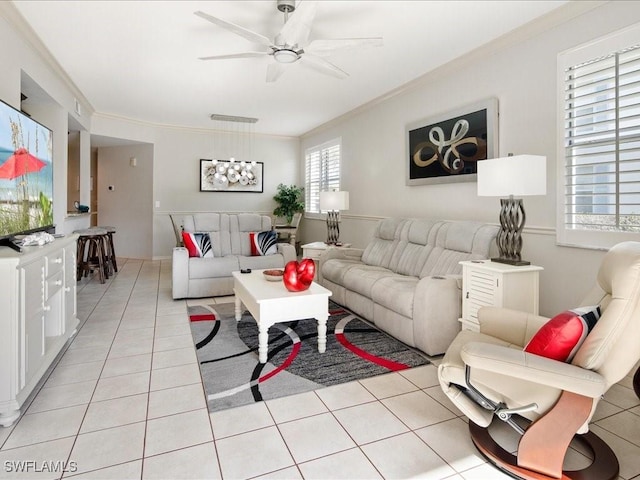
91,253
110,251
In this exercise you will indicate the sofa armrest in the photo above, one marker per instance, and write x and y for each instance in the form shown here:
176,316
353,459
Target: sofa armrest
288,251
533,368
512,326
180,273
351,254
437,306
354,254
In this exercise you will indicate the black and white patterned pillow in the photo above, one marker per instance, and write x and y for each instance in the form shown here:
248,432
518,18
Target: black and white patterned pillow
263,243
198,244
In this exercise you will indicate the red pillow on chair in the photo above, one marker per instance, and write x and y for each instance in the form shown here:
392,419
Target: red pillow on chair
561,337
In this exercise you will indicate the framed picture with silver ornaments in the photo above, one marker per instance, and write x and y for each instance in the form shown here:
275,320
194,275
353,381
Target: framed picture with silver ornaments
231,176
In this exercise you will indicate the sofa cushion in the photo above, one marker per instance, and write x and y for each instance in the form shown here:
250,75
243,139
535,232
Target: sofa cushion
335,269
362,278
415,246
263,243
241,225
395,293
261,262
197,244
443,261
213,268
379,252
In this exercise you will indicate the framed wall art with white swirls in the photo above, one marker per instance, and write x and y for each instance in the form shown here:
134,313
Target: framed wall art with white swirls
231,176
446,148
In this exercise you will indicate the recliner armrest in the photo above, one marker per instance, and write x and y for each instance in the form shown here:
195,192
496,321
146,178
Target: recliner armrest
533,368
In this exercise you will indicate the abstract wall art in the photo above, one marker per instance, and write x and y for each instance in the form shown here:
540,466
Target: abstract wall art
446,148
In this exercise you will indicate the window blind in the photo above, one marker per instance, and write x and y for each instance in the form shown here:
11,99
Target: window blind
322,172
602,143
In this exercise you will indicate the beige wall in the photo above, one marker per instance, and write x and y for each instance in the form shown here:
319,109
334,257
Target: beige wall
128,206
521,74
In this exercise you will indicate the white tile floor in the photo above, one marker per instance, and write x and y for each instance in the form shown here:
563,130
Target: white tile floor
125,401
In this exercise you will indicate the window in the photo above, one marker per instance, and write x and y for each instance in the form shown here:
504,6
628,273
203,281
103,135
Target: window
322,172
599,155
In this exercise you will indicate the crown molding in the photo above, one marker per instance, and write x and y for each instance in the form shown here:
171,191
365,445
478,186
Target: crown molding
9,11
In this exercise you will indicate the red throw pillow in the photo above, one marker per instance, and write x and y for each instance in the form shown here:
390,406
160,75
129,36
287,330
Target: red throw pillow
561,337
198,244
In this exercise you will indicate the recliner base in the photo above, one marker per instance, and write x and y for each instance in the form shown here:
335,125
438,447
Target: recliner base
604,466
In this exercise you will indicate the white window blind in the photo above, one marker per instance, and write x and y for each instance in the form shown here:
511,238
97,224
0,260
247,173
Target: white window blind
600,154
322,172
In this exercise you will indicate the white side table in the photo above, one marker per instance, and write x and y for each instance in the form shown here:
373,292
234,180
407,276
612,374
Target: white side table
313,251
487,283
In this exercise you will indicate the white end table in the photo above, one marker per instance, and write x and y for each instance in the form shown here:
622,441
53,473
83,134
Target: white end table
487,283
270,303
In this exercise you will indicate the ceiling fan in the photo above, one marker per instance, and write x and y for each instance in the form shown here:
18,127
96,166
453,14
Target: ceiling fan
291,44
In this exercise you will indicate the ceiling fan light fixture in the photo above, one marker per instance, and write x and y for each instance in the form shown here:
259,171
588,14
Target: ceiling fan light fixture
285,56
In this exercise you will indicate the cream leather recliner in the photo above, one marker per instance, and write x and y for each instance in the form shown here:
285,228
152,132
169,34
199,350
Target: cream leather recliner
487,374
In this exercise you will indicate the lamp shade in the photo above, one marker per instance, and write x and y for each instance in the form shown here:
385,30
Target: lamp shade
334,200
519,175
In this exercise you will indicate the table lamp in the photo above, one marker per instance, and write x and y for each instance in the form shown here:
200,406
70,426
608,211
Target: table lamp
512,176
333,202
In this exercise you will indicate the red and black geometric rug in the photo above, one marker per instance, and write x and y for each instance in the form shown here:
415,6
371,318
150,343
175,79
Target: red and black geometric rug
228,355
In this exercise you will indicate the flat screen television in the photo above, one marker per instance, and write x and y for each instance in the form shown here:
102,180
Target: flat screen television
26,176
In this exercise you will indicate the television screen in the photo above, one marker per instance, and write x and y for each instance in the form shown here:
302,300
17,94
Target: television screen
26,174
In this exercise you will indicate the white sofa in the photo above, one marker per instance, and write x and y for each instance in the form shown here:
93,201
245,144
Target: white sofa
408,279
195,277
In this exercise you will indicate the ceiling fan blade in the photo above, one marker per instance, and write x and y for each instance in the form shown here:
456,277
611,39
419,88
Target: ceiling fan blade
296,30
323,66
329,46
235,55
237,29
274,70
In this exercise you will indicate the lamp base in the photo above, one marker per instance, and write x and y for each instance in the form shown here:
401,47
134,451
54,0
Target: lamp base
509,261
333,227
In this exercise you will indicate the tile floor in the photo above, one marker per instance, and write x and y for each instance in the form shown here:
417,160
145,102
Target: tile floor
125,401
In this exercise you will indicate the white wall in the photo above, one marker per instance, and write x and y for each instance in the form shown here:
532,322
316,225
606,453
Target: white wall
522,76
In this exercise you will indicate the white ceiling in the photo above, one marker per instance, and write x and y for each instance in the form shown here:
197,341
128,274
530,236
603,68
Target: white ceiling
139,59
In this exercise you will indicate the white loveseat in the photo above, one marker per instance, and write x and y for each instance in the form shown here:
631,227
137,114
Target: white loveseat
408,279
195,277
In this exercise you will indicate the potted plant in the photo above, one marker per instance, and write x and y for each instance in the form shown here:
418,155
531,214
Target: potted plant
290,200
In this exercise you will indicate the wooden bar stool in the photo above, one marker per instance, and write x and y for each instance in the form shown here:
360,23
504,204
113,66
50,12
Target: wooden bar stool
91,252
110,251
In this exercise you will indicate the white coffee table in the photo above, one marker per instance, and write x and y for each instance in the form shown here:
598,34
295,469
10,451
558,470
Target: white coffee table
270,303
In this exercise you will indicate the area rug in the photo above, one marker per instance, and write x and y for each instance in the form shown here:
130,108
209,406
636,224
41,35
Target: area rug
227,352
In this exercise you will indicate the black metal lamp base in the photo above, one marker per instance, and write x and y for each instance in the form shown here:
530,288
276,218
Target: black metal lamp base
509,261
